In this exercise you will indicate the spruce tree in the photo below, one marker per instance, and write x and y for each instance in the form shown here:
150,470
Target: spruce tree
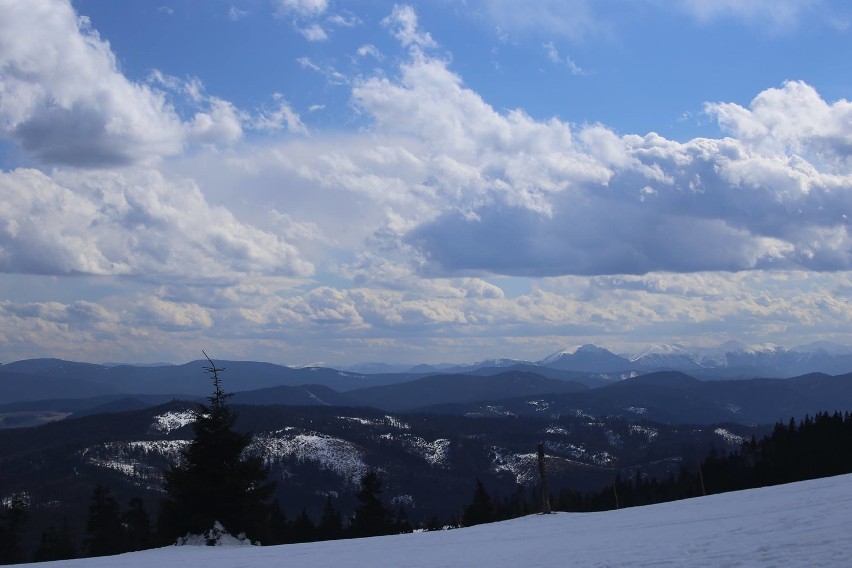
56,544
12,521
104,534
136,525
371,518
331,523
482,510
303,528
216,481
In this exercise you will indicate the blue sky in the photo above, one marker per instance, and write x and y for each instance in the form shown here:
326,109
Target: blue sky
327,181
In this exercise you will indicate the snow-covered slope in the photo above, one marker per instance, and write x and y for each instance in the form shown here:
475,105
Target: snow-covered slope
587,358
667,356
801,524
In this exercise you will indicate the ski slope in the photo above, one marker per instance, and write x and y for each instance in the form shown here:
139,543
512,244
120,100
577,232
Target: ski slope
801,524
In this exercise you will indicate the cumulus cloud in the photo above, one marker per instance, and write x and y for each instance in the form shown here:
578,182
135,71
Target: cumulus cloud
792,120
345,20
281,116
524,197
134,223
269,319
314,32
64,99
369,50
403,24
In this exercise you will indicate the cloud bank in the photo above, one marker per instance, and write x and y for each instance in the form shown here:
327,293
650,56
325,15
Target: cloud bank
441,224
516,196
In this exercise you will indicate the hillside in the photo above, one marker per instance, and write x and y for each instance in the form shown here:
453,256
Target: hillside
800,524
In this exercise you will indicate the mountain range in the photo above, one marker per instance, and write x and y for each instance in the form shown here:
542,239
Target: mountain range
729,360
432,432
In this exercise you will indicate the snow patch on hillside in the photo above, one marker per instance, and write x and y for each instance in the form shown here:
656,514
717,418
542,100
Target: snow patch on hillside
435,453
169,421
361,421
524,467
216,536
539,405
143,462
578,452
397,423
329,453
649,433
729,436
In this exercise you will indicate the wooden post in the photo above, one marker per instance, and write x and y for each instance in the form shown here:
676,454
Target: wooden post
542,472
615,492
701,477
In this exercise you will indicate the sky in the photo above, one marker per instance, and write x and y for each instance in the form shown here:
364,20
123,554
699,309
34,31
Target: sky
332,181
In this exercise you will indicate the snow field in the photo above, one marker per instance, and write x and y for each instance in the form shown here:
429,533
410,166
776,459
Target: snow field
800,524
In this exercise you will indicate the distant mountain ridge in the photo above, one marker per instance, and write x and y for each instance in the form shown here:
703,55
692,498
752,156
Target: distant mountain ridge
56,383
728,360
731,359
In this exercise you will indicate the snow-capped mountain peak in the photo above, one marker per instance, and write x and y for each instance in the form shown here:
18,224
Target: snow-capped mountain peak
667,355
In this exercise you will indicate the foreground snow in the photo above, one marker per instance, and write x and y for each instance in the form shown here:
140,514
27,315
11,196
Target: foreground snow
801,524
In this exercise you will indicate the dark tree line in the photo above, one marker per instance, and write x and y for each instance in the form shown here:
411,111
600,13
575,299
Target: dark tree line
812,448
12,519
815,447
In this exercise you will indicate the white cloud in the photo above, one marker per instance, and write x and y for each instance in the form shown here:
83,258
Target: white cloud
368,49
346,20
220,123
235,14
779,14
314,32
541,198
575,20
130,223
332,75
64,99
792,120
158,313
304,8
403,24
283,116
554,57
264,320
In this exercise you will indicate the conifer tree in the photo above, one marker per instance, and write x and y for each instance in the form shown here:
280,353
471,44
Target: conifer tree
371,518
104,534
56,544
136,525
482,509
216,481
303,528
12,522
331,523
401,523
